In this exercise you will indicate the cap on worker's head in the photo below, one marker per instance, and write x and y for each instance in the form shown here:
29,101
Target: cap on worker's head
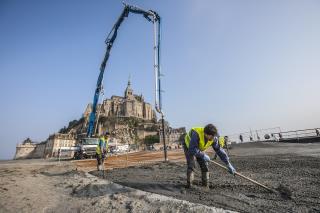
210,129
107,133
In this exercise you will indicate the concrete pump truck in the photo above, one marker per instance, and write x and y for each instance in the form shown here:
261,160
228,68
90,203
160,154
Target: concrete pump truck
87,145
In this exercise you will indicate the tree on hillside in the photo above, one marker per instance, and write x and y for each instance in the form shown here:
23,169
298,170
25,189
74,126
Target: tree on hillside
151,139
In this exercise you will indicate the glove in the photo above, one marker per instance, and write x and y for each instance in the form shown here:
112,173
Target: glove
206,158
231,169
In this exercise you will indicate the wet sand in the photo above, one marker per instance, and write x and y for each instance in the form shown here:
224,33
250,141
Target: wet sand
295,167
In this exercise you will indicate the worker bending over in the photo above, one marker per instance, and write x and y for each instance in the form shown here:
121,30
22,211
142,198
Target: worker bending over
197,140
101,150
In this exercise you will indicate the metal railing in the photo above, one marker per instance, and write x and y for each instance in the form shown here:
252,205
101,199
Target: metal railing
297,134
253,135
273,134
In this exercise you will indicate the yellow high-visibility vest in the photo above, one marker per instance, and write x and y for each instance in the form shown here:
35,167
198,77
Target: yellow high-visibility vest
221,141
202,145
103,143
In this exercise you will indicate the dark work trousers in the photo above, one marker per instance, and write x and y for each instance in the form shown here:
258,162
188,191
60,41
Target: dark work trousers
190,161
100,159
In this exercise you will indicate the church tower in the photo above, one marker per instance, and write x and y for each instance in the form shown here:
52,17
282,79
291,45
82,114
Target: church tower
129,101
128,93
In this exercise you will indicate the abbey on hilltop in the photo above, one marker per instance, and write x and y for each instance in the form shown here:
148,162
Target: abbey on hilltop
129,119
131,105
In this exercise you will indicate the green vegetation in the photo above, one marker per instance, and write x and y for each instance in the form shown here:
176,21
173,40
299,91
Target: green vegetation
151,139
71,125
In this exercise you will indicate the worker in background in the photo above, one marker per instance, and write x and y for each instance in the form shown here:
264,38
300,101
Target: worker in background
101,150
227,144
241,138
197,140
223,142
280,136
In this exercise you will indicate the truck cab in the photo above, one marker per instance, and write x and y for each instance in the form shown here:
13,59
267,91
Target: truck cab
86,148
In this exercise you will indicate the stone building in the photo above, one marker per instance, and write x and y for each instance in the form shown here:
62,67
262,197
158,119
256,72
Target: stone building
57,141
131,105
46,149
39,150
173,135
25,150
29,149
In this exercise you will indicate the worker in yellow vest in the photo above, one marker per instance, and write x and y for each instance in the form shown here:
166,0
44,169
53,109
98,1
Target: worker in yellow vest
197,140
101,150
223,142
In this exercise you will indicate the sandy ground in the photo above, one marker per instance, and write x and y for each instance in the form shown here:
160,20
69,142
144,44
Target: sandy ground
42,186
293,167
151,186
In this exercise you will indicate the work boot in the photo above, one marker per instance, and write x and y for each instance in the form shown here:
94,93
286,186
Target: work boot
205,179
190,178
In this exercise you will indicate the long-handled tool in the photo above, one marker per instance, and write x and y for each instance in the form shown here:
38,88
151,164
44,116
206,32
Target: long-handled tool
103,170
241,175
103,166
283,190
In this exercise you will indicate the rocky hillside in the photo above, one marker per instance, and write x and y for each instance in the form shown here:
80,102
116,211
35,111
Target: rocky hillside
124,129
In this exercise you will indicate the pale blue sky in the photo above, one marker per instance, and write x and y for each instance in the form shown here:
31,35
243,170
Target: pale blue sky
237,64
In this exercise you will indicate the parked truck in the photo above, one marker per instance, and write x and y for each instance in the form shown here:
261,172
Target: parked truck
86,148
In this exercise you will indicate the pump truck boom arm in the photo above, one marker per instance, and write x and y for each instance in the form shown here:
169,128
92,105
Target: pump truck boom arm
150,16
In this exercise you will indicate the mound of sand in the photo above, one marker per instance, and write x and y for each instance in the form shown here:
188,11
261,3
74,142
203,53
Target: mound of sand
53,187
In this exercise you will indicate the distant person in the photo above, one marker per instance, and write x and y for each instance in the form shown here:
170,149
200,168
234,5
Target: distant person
251,139
59,152
226,144
241,138
196,142
101,149
280,136
317,132
223,142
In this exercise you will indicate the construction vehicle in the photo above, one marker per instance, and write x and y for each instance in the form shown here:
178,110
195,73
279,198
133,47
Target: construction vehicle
86,148
87,143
